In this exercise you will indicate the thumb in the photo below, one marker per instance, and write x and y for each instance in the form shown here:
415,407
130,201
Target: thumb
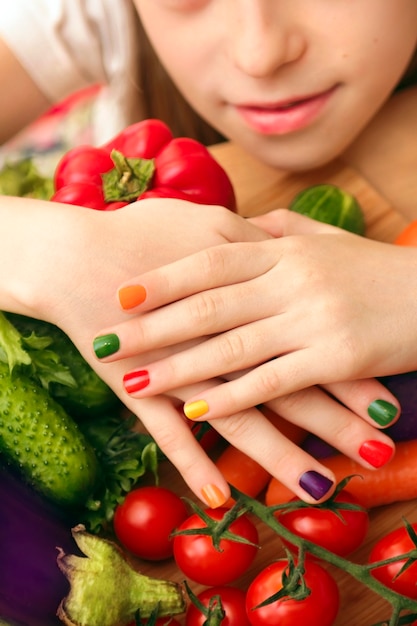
282,222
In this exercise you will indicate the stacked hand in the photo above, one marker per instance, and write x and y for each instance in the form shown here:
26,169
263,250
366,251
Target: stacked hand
299,318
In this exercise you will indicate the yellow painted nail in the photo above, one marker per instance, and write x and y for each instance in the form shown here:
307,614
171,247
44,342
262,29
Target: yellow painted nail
213,496
194,410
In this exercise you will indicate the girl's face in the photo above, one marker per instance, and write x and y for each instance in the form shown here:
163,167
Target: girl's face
292,81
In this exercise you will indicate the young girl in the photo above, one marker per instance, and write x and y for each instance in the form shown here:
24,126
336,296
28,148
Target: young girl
296,84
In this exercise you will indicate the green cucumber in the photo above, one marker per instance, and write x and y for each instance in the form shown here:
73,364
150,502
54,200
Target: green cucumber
329,204
43,442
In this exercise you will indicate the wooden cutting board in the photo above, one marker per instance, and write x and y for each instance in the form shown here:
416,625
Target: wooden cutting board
260,189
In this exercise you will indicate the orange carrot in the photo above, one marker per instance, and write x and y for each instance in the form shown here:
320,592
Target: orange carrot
242,471
395,482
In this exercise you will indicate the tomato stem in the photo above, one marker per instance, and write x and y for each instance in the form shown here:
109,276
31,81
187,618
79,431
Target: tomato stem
362,573
218,530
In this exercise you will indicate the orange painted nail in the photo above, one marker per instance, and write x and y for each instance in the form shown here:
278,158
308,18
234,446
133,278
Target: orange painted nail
194,410
131,296
213,496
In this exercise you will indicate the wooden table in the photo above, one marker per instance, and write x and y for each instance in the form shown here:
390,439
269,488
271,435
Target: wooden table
260,189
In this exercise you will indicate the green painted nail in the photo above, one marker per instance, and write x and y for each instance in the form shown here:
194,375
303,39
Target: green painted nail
105,345
382,412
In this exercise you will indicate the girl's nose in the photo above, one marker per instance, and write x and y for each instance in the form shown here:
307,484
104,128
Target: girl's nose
264,38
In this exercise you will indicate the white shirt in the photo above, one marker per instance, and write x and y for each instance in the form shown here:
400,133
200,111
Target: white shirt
66,45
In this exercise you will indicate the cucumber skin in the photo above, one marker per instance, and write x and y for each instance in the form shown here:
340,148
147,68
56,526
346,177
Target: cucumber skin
39,438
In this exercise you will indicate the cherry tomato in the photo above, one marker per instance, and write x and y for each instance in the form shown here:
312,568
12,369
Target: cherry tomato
341,531
320,608
233,605
394,544
408,237
206,435
198,558
145,520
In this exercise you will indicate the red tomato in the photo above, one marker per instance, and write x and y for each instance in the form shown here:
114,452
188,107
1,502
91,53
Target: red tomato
205,434
145,520
320,608
199,560
394,544
340,531
408,237
233,605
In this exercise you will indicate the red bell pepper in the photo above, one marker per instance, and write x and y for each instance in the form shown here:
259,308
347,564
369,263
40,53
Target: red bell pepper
143,161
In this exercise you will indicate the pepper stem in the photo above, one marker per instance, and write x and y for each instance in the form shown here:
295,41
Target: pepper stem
129,178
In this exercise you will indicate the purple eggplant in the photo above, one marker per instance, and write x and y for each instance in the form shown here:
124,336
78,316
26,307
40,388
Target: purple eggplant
31,583
88,580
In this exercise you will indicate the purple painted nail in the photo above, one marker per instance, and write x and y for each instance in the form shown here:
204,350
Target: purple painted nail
315,484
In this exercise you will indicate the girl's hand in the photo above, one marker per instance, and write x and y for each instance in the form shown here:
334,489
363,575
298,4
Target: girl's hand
69,263
95,252
312,308
63,264
366,402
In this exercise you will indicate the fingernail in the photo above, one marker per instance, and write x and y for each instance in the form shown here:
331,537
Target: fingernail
382,412
131,296
194,410
213,496
376,453
315,484
105,345
135,381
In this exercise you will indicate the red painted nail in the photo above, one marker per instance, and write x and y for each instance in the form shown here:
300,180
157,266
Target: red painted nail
376,453
135,381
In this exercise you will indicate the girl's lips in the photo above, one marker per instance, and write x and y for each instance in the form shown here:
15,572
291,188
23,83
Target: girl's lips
283,118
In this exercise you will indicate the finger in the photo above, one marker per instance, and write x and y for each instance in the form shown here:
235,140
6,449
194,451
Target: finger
283,222
175,438
212,312
313,410
221,355
216,266
369,399
249,431
255,435
276,378
168,426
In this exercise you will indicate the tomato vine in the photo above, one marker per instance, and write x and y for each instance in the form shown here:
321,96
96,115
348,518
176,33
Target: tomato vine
360,572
